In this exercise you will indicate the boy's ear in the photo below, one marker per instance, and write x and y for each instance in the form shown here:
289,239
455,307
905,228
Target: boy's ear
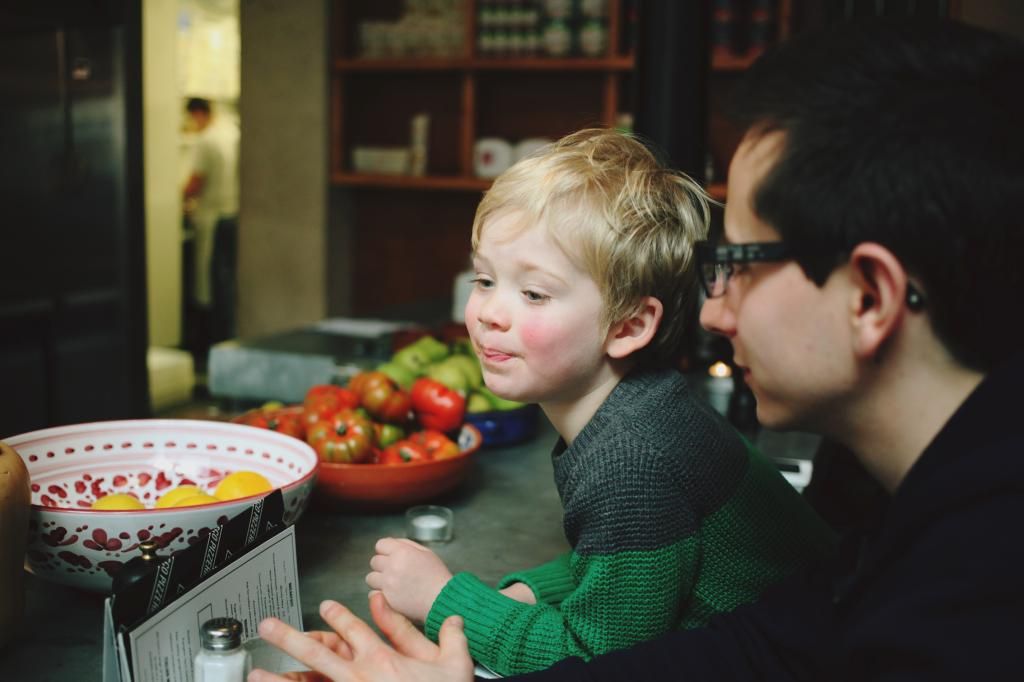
878,297
636,330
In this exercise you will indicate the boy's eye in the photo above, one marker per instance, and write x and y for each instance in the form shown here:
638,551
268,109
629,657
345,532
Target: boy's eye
534,297
482,282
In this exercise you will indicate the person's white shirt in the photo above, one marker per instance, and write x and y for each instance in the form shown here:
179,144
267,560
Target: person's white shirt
215,160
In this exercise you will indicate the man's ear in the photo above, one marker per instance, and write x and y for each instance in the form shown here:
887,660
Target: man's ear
636,330
878,297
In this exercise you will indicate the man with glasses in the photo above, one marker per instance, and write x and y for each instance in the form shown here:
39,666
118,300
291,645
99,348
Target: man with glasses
869,285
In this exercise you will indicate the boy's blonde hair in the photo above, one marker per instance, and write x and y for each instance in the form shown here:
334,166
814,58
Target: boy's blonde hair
621,216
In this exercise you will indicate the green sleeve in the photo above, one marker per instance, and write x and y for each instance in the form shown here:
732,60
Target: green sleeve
620,599
551,582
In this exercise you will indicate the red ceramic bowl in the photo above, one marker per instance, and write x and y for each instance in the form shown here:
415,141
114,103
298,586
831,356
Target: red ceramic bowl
378,486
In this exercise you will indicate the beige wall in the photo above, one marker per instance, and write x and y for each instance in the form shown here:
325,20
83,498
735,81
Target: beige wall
282,164
161,113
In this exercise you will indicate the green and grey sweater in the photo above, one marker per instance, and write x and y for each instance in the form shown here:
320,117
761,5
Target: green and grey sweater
672,517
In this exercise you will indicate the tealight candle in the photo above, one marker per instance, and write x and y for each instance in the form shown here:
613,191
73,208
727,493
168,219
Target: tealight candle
720,386
429,523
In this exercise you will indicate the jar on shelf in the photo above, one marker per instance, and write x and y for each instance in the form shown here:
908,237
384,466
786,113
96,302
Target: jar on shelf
594,9
558,9
557,39
593,38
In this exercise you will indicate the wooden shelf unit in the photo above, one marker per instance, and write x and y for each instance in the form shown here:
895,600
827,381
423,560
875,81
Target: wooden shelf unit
467,75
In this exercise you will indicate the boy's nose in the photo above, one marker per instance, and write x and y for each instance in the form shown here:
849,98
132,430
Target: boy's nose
491,313
717,317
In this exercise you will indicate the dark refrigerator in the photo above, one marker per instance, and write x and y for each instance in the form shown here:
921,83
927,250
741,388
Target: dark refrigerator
72,277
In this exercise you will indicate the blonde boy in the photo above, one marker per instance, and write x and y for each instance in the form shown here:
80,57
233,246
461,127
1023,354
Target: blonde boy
584,281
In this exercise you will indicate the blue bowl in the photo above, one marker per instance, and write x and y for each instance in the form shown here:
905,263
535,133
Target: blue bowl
505,427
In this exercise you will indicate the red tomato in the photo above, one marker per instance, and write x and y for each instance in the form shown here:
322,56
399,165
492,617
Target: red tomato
381,396
288,423
401,452
323,400
437,445
346,436
254,418
437,406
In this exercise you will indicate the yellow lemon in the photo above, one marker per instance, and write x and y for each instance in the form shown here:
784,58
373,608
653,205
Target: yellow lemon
172,497
118,501
242,484
195,500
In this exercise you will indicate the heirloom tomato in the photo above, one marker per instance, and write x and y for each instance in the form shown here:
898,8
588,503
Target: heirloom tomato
402,452
437,445
288,423
437,406
323,400
345,436
381,396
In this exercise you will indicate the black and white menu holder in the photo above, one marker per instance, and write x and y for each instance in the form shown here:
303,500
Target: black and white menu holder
245,569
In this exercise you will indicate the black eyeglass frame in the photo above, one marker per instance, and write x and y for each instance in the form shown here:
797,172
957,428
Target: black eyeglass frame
710,254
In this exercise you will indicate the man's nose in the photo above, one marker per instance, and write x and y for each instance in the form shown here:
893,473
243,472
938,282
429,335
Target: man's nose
717,317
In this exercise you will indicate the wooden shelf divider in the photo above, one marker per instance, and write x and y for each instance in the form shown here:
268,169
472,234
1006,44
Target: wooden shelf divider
427,182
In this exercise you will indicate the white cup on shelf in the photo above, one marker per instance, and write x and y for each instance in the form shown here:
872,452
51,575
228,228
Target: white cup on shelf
529,146
492,156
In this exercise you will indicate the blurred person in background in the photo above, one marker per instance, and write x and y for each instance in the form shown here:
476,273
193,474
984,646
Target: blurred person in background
211,206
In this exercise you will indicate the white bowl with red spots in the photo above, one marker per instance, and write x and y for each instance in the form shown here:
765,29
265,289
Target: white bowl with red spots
71,466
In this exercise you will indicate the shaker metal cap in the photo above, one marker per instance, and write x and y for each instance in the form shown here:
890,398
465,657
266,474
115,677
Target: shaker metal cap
221,634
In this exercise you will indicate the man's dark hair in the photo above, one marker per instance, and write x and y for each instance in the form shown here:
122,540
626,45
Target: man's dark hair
198,104
910,135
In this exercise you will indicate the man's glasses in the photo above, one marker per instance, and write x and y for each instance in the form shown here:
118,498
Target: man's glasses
716,262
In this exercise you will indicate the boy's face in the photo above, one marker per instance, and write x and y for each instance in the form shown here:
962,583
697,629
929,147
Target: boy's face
534,317
790,337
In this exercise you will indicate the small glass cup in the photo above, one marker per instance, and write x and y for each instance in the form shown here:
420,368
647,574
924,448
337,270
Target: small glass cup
429,523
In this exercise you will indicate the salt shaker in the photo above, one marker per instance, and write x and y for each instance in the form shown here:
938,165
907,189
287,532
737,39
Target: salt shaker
221,657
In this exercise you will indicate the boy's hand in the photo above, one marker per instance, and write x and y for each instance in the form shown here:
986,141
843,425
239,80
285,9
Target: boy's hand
410,576
519,592
413,656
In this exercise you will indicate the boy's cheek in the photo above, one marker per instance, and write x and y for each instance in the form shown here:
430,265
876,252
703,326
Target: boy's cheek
540,334
469,312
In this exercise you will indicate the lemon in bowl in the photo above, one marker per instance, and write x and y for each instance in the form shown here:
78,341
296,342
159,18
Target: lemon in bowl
118,501
241,484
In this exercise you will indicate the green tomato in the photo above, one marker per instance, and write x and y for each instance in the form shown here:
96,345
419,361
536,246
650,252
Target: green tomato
402,375
434,349
388,434
450,375
413,358
470,366
478,402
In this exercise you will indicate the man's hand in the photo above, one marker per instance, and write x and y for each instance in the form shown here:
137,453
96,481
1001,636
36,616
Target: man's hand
410,576
413,657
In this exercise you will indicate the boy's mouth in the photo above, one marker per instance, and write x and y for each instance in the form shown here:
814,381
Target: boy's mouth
494,355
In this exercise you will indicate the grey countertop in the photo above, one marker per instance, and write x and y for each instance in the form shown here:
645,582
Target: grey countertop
507,516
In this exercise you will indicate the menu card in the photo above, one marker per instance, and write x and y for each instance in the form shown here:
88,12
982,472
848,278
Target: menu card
245,569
